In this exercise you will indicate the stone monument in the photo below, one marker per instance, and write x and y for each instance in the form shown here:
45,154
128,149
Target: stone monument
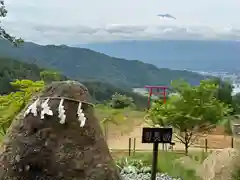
57,137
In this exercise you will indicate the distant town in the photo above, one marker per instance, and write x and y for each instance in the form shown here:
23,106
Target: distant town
233,78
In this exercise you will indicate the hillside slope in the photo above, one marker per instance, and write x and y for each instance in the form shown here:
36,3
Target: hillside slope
207,55
11,70
85,64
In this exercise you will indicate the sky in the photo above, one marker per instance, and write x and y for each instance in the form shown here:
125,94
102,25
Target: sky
86,21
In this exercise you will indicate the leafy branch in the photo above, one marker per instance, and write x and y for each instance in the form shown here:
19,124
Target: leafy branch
3,34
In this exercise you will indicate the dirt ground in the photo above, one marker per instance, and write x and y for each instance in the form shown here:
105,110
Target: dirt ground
118,135
119,140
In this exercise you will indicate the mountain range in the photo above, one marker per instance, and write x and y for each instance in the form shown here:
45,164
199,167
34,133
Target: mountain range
87,65
200,55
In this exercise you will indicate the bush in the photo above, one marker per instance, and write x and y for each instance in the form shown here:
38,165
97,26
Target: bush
119,101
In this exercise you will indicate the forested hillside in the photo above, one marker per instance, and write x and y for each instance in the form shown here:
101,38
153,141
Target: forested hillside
11,69
85,64
207,55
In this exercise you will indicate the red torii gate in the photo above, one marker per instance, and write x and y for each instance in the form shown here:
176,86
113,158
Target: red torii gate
163,92
150,93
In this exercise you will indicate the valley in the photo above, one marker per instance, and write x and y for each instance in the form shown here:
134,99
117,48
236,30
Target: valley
120,109
73,97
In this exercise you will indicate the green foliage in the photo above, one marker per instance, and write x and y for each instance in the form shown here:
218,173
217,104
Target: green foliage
3,33
236,174
193,110
130,165
114,117
102,93
224,92
28,87
119,101
11,69
10,105
236,103
50,76
14,102
125,162
227,125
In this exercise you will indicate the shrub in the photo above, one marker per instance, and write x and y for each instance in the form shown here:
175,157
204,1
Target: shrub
119,101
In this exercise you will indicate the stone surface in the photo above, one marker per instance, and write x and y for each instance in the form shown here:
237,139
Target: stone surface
219,165
36,149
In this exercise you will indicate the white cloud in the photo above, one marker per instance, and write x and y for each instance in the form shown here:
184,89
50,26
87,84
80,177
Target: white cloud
78,21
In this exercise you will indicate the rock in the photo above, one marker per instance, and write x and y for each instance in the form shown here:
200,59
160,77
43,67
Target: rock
54,148
219,165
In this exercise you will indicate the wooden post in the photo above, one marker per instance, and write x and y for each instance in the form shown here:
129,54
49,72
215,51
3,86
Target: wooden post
129,146
232,142
206,145
134,146
164,95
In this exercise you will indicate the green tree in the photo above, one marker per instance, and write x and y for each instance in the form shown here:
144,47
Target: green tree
119,101
49,76
3,33
224,92
11,104
236,103
193,110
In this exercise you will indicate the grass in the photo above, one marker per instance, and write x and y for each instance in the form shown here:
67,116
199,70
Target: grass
1,135
102,111
236,174
167,163
124,121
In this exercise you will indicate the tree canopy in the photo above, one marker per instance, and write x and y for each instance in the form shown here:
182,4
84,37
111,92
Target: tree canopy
193,110
13,103
224,92
119,101
236,103
49,76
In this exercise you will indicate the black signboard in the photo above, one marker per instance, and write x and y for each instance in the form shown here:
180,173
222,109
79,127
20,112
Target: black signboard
157,135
